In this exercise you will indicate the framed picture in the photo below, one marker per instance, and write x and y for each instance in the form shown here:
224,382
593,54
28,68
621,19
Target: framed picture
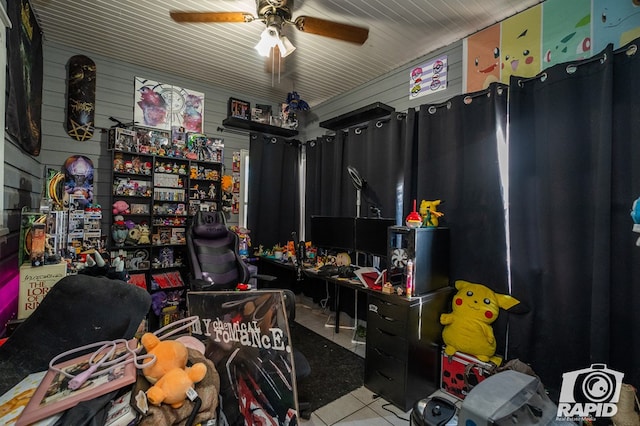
53,394
239,109
261,113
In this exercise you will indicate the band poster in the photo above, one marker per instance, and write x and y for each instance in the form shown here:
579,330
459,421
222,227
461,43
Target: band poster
247,338
24,85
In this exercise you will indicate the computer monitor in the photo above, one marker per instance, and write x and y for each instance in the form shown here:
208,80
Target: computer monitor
371,235
333,232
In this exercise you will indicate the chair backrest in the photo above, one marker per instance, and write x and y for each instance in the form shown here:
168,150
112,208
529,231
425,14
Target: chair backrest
213,254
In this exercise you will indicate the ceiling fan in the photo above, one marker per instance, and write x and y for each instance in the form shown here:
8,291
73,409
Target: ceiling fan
276,14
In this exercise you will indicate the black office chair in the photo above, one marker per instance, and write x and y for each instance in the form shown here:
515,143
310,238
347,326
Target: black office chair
213,255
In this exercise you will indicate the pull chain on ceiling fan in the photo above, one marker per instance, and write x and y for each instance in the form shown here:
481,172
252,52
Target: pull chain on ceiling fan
276,14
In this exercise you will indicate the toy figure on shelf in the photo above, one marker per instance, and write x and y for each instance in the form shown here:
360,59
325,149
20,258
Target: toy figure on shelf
414,220
227,194
635,216
244,240
430,213
291,108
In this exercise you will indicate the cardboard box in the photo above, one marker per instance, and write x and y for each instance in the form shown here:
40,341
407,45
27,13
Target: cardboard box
35,283
461,372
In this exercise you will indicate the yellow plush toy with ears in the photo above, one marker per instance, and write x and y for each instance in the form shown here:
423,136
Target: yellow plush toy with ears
468,328
430,213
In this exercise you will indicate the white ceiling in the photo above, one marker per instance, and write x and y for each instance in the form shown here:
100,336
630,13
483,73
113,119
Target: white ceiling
141,32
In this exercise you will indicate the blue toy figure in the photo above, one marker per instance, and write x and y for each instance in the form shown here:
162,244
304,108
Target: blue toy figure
635,215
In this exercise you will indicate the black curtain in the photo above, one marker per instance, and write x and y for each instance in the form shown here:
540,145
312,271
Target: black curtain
457,162
324,157
376,151
573,255
274,200
624,342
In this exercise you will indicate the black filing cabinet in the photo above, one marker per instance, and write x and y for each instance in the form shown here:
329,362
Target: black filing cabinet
428,248
404,339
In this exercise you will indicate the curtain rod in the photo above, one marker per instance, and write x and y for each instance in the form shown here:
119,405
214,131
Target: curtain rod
570,69
629,50
235,132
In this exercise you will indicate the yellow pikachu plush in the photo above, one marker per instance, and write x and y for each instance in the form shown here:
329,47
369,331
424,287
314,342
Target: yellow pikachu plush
468,328
430,213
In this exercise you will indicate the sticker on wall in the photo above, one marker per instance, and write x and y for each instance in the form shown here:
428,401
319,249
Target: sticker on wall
81,97
428,78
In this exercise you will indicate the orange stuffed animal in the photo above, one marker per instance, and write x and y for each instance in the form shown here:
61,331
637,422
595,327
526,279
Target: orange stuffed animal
173,386
169,374
169,354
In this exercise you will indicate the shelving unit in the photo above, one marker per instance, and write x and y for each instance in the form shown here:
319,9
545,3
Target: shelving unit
248,125
360,115
160,197
204,186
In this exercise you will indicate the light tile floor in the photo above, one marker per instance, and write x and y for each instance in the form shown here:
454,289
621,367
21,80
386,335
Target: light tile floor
360,407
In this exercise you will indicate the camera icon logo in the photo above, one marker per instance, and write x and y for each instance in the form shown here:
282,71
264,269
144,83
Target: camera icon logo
590,392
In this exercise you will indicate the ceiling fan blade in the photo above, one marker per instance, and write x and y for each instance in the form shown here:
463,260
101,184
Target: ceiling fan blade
189,17
332,29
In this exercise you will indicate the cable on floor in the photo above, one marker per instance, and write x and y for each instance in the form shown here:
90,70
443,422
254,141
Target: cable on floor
393,412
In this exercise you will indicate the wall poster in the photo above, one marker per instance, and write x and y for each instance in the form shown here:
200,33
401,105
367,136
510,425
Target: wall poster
428,78
165,106
247,338
24,82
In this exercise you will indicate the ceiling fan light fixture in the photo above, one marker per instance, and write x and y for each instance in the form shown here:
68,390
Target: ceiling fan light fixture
270,38
285,46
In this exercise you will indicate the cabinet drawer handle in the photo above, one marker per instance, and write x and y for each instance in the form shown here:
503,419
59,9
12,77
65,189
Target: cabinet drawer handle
385,318
384,376
386,333
382,353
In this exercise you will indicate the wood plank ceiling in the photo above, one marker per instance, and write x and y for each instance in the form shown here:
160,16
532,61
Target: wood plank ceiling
141,32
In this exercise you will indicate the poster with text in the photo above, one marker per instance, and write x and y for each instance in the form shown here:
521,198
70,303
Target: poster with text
428,78
247,337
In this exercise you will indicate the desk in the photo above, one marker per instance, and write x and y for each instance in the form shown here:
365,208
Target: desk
288,277
403,343
339,283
